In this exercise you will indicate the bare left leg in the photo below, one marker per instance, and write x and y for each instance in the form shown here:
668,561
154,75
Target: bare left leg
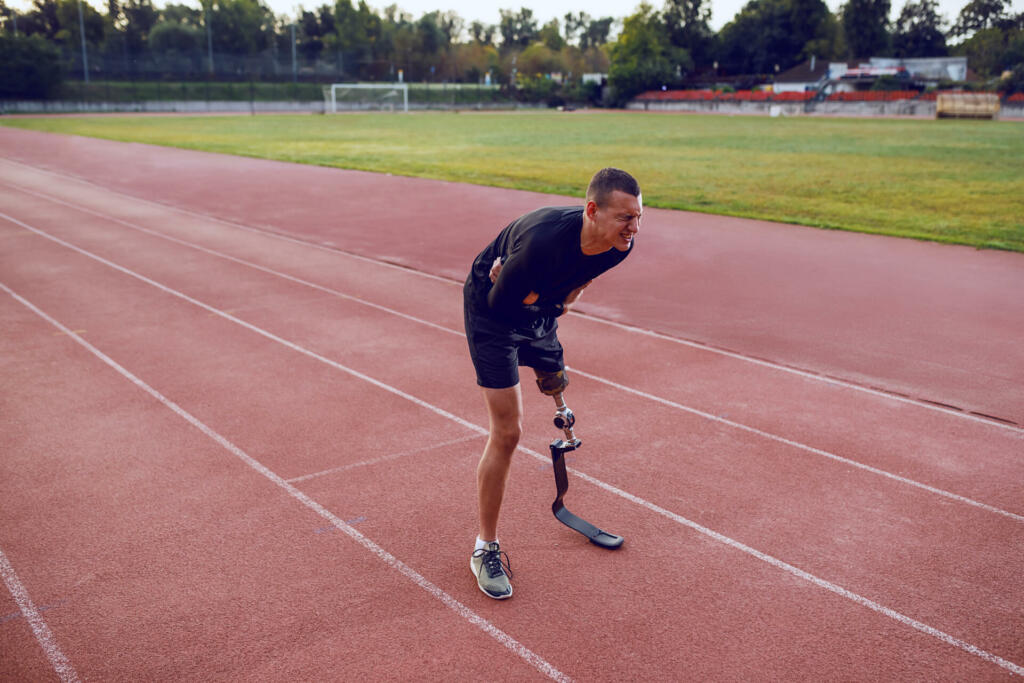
505,410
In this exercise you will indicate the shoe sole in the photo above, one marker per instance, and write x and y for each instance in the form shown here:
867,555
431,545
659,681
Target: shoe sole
493,597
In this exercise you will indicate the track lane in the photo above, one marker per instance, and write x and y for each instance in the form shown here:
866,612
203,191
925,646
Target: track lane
708,377
704,651
131,209
178,559
949,450
794,295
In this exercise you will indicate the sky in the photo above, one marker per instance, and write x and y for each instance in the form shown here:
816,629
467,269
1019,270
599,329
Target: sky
722,11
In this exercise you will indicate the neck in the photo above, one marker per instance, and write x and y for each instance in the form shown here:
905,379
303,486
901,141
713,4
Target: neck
590,243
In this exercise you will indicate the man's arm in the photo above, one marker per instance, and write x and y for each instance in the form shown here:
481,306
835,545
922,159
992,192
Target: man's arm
530,298
511,298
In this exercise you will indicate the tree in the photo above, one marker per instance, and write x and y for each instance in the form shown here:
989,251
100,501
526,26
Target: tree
482,34
170,37
139,18
551,35
979,15
452,25
182,14
643,57
42,20
866,27
991,51
596,33
310,32
57,21
772,35
70,33
539,60
359,36
8,17
475,60
518,29
918,31
575,25
31,67
688,28
239,27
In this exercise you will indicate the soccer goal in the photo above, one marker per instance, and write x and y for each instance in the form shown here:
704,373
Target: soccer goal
366,97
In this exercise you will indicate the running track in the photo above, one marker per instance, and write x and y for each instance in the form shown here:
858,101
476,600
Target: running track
238,442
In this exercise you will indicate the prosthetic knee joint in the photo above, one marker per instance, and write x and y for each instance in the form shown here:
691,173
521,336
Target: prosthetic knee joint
553,384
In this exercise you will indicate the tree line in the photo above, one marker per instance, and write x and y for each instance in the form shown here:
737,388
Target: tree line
652,48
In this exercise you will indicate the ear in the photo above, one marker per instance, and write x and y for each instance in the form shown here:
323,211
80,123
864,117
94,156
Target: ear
590,209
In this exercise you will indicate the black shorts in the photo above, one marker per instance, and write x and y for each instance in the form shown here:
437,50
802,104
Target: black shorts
498,350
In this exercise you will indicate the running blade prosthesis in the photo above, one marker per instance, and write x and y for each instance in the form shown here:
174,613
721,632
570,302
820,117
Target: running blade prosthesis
564,420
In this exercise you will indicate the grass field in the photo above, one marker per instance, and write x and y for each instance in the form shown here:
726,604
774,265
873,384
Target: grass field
949,181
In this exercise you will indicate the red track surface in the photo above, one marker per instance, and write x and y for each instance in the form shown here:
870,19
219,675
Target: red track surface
229,454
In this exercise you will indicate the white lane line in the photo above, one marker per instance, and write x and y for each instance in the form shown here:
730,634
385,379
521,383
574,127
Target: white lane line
694,411
700,346
390,560
227,257
42,632
385,458
803,447
806,576
822,583
266,232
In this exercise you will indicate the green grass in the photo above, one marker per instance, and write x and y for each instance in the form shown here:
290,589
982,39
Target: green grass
949,181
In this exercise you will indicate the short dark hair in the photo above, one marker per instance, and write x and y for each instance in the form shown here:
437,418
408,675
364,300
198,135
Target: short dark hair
608,180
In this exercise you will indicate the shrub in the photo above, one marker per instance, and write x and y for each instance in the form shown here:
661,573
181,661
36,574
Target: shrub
1014,83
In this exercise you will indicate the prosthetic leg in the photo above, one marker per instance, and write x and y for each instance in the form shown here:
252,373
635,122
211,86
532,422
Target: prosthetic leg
553,385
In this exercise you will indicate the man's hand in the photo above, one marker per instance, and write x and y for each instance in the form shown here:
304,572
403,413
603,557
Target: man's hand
575,294
496,268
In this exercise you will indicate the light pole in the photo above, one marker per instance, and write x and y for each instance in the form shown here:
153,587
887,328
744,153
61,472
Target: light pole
209,35
81,30
295,68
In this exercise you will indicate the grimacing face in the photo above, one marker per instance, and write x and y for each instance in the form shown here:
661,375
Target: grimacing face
619,219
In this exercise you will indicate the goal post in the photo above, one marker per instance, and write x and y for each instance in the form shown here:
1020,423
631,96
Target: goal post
366,96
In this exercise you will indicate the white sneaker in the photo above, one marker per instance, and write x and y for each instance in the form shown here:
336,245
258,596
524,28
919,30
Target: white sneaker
491,573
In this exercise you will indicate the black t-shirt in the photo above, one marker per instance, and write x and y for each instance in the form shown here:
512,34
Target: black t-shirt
541,253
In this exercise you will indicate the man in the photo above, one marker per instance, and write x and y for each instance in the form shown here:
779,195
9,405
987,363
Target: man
529,275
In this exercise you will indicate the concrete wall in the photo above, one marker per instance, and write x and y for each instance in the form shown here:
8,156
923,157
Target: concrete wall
910,108
185,107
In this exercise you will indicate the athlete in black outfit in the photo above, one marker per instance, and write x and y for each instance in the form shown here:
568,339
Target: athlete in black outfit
519,284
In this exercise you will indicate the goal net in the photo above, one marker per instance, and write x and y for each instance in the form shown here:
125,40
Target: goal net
366,97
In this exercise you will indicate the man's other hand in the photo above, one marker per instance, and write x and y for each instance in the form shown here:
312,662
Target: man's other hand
496,268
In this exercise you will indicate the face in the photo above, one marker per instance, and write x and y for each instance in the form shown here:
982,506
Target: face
618,220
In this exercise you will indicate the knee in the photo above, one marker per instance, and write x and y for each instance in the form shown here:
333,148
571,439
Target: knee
505,436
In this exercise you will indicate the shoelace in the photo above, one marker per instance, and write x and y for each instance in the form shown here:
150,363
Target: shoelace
492,561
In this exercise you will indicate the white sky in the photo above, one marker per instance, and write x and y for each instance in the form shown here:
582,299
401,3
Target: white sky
487,12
